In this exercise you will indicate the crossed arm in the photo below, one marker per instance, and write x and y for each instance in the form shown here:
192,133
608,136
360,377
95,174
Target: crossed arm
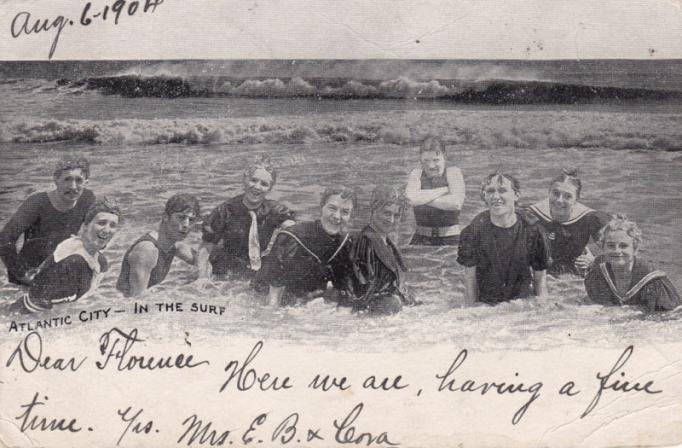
444,198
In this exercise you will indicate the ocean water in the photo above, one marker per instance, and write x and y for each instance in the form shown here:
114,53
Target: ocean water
153,129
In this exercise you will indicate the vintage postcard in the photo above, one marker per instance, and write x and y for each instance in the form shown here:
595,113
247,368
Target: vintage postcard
314,223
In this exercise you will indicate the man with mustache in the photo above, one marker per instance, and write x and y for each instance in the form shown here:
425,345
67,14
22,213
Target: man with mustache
236,231
46,219
149,259
436,192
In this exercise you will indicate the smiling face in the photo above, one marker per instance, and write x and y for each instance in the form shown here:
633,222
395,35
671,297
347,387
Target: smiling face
178,224
70,184
562,197
499,196
336,214
98,232
386,218
433,163
256,186
620,248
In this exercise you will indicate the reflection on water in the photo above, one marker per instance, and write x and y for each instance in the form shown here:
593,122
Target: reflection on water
644,184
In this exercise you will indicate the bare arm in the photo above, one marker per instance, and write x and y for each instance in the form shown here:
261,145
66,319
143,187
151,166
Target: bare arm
471,293
455,197
202,262
186,253
142,260
540,282
416,195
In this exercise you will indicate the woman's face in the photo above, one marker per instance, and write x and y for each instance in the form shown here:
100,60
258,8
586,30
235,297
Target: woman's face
562,197
98,232
385,219
335,214
499,196
257,185
619,248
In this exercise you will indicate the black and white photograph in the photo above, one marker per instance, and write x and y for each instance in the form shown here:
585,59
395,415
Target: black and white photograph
321,223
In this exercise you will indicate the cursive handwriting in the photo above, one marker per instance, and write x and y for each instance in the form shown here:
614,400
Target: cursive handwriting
134,423
448,383
607,383
346,432
110,347
247,378
29,352
24,24
31,422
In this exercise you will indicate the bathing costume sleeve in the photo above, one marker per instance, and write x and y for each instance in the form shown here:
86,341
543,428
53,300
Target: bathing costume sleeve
214,226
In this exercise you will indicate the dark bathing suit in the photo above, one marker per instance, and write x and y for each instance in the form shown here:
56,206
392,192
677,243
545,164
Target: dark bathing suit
568,239
503,257
66,276
303,259
432,222
230,222
43,227
649,289
375,280
159,272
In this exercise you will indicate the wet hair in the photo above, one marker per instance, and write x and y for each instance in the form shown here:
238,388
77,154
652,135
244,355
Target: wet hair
621,222
181,202
384,195
71,162
434,144
570,176
344,192
516,185
264,162
103,205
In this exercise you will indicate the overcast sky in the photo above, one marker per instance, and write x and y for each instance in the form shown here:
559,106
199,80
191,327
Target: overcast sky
352,29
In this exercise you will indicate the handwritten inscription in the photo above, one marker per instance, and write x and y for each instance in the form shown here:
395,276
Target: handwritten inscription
25,24
119,351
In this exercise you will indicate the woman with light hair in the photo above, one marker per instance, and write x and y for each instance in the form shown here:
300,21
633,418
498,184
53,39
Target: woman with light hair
619,277
376,283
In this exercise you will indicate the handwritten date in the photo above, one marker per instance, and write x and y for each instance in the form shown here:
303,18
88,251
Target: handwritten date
24,23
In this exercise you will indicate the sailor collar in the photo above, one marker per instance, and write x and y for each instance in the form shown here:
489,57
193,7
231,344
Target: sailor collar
579,211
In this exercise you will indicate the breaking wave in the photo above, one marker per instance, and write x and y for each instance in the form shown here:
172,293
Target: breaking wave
491,91
471,129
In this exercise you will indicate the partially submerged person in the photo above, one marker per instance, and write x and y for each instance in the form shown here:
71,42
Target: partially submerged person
46,219
619,277
504,252
376,280
238,230
148,260
77,265
436,192
305,257
569,225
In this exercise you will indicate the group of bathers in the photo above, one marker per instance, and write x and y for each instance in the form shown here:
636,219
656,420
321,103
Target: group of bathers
506,250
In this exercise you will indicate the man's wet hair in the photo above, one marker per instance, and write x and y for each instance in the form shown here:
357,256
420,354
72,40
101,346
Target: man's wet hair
434,144
181,202
516,185
103,205
344,192
72,162
264,162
